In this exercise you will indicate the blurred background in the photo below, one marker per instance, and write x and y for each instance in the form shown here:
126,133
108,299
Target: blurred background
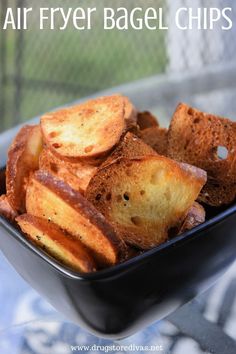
40,70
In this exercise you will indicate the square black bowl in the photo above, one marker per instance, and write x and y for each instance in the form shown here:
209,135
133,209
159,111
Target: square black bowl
116,302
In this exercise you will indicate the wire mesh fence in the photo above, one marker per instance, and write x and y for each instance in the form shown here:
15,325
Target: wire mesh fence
43,69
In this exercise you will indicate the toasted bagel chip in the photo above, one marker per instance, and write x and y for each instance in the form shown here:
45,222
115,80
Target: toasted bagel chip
217,194
206,141
130,146
23,158
54,241
53,199
146,120
76,174
144,197
195,216
87,130
6,209
130,114
157,138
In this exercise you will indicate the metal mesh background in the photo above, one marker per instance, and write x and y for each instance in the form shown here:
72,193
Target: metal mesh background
43,69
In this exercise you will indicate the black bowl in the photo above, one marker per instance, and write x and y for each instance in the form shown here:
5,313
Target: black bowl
116,302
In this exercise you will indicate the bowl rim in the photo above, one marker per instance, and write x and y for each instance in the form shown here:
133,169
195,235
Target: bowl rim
109,272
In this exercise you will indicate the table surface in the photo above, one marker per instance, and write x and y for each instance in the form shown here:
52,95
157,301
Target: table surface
29,325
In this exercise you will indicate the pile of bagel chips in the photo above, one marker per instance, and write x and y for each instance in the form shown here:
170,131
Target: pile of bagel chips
97,183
